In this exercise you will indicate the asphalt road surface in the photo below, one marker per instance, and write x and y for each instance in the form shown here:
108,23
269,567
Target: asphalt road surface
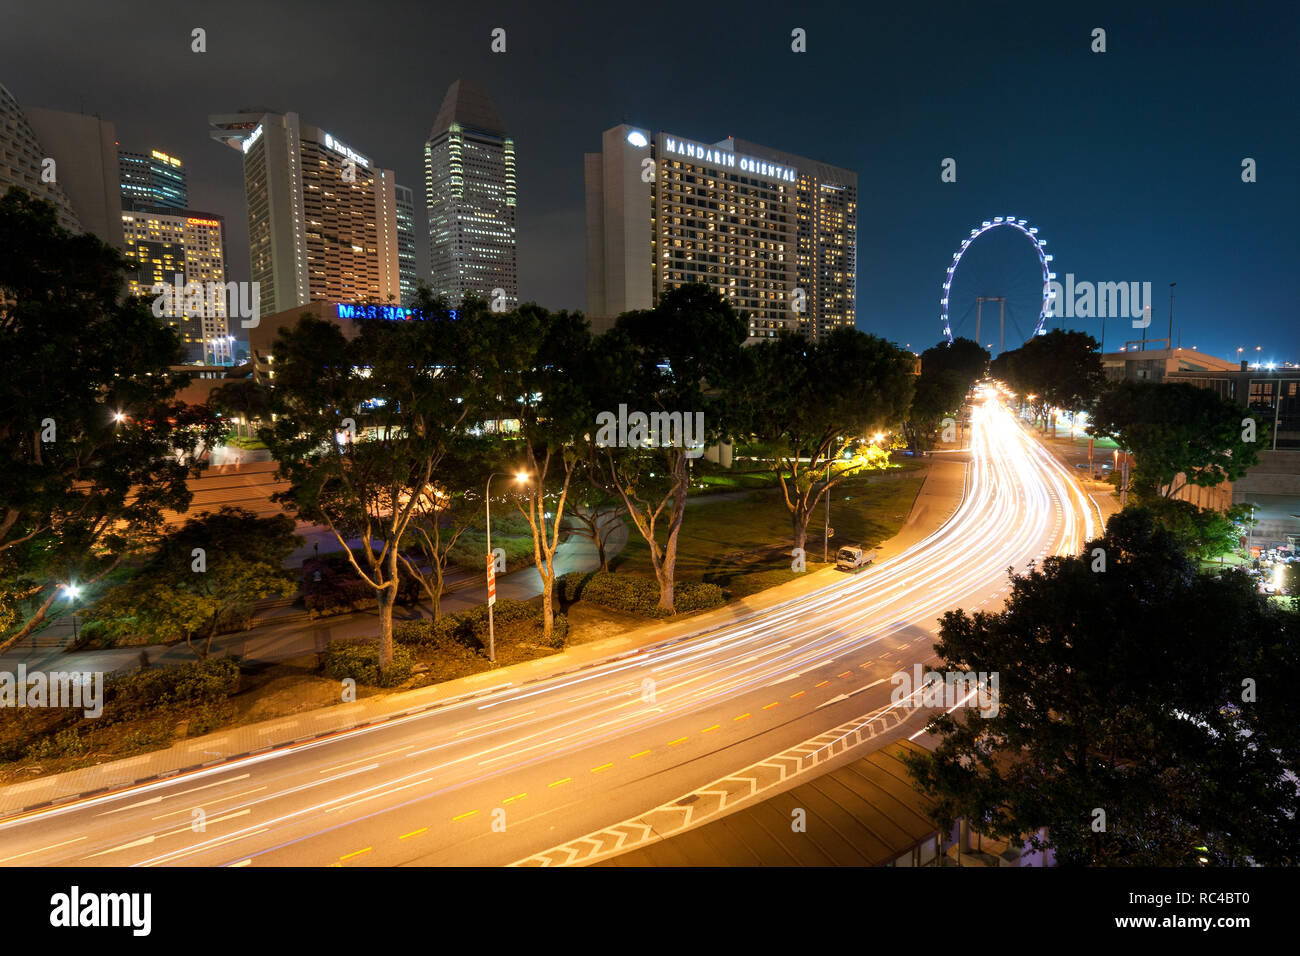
507,777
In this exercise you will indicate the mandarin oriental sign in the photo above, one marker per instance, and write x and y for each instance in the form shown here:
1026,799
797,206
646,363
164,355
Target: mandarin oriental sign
726,159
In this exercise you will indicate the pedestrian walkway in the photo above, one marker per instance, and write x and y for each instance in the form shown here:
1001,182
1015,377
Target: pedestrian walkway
938,498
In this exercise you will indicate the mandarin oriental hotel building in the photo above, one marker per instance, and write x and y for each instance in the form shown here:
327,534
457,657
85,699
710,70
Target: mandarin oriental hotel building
753,222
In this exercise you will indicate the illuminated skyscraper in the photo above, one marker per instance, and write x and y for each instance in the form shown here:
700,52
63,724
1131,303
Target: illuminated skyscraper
322,218
469,182
175,248
152,179
406,244
774,232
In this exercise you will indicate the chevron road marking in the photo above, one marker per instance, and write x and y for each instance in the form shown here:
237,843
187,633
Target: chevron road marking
725,793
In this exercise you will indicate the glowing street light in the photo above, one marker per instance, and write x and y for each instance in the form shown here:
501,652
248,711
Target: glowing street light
73,592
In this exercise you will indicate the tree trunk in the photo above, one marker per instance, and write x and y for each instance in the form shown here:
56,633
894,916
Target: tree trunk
548,601
212,632
386,597
800,530
36,621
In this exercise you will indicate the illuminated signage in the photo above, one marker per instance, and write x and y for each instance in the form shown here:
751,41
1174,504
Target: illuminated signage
726,159
334,144
346,310
165,158
253,138
203,222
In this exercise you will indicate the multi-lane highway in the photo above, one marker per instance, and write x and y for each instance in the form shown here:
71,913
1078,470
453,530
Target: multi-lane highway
509,776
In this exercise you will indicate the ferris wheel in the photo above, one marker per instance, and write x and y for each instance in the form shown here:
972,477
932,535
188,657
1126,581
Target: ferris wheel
1044,260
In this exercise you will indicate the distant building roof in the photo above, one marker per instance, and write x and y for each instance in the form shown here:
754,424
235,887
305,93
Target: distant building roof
468,104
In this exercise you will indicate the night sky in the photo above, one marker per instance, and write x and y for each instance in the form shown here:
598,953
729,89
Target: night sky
1129,162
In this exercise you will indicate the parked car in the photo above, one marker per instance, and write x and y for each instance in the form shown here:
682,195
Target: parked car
853,559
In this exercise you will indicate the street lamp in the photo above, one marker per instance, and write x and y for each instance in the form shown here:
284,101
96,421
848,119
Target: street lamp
73,592
520,476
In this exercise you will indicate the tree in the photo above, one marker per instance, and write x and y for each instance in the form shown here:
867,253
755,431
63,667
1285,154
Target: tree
362,426
1061,369
1176,428
241,398
97,447
1202,532
673,362
947,374
444,511
204,575
815,402
1147,690
553,411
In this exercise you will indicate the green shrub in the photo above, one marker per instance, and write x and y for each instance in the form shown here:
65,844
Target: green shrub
697,597
360,661
514,621
66,743
635,595
193,684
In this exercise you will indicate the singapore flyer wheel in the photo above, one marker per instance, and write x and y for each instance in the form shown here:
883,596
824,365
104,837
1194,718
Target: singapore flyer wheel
1044,260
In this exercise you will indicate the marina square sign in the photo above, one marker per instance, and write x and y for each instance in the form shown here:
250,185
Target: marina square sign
726,159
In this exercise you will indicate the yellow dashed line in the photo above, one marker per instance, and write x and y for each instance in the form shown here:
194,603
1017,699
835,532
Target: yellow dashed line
414,833
679,740
846,674
775,703
823,683
463,816
348,856
512,799
707,729
742,716
798,695
604,766
559,782
641,754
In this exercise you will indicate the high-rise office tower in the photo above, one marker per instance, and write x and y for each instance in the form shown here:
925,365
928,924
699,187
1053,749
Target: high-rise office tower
22,162
174,248
322,218
406,244
85,152
774,232
469,184
152,179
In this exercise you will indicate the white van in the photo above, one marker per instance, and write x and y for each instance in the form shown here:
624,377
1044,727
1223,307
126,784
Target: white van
853,559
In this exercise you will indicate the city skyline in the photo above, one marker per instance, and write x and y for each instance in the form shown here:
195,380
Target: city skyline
1106,152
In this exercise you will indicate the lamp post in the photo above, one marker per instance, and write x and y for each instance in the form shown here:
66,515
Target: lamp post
520,476
73,592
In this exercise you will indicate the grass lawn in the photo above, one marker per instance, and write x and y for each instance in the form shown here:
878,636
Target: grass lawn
742,542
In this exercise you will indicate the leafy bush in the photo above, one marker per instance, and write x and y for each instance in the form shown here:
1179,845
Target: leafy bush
360,661
698,597
515,622
66,743
635,595
194,684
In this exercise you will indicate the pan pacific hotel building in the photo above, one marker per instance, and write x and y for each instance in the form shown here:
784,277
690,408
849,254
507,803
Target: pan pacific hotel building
774,232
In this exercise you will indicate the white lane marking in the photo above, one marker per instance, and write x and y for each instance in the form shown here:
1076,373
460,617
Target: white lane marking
493,723
388,753
41,850
159,799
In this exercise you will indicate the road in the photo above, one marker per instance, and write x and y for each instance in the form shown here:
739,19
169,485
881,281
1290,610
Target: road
523,774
